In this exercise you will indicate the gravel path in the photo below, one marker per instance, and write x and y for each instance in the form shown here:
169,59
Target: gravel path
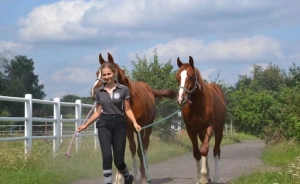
236,160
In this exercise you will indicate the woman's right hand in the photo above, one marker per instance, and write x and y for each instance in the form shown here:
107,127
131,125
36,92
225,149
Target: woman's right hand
80,128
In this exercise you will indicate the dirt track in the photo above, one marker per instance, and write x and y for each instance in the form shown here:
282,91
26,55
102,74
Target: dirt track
236,159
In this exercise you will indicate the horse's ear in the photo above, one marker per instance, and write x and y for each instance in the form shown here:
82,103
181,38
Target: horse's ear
179,63
110,58
101,60
191,61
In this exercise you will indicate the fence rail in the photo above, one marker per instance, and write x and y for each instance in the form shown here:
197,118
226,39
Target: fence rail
57,121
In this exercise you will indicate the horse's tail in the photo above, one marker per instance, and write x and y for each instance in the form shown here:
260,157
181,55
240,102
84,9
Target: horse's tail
164,93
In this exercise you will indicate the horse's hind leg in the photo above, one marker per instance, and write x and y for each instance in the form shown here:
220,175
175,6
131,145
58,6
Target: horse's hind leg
217,150
132,148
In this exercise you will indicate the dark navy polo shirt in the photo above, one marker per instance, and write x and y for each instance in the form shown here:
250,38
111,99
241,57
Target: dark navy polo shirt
112,105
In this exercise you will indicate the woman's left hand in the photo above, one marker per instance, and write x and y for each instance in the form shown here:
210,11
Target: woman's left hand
137,127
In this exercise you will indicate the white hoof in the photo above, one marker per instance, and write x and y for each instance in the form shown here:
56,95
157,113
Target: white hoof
203,181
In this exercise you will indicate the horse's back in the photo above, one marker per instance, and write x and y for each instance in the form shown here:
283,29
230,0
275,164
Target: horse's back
217,89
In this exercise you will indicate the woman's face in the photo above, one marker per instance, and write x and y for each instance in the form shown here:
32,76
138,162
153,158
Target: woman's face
107,75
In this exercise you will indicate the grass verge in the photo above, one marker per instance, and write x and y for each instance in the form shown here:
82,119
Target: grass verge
282,165
42,167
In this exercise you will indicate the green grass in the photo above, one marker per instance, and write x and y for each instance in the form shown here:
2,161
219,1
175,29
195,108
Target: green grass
281,154
282,165
42,167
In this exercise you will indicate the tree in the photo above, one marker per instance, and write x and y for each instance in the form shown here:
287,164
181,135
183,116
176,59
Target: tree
158,76
70,111
4,57
66,110
5,125
21,70
2,82
293,77
266,105
271,78
18,79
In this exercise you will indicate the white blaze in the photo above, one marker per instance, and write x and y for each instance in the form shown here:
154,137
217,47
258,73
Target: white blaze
183,76
99,75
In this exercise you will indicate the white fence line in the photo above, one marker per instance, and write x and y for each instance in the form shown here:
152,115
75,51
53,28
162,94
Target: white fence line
226,131
57,121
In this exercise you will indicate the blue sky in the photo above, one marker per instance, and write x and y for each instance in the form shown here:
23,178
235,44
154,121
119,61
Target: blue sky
64,38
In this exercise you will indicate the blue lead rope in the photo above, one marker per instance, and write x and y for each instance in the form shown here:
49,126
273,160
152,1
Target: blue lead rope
140,141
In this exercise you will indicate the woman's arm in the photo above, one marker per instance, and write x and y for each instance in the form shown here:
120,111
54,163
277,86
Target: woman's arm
130,115
92,119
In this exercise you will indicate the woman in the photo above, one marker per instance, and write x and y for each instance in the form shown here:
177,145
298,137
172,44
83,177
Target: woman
112,101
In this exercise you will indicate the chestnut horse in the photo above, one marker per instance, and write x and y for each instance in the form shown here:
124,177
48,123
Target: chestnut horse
204,110
142,101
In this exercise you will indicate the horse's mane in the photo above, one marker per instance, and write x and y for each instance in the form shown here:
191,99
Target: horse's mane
200,79
130,84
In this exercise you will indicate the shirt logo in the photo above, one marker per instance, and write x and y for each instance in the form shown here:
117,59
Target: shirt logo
116,95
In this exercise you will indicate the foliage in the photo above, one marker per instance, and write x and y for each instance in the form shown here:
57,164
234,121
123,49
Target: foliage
282,165
267,103
19,72
70,111
158,76
18,78
5,113
293,77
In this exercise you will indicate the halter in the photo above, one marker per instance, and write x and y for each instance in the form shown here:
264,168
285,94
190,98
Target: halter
99,79
189,92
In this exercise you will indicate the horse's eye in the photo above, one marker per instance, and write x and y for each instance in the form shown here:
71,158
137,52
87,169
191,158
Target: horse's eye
191,77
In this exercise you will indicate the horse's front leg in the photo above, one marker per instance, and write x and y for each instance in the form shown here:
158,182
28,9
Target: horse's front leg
196,151
204,152
201,137
118,178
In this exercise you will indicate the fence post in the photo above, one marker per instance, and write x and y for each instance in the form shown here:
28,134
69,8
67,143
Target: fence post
28,124
78,122
225,129
56,125
61,128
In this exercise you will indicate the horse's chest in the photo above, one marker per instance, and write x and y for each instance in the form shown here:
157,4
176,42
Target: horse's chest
197,122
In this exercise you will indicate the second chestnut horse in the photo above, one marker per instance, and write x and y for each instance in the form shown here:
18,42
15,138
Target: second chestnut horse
204,110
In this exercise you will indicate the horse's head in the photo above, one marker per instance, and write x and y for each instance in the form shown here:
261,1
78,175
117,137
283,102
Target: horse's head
119,73
187,79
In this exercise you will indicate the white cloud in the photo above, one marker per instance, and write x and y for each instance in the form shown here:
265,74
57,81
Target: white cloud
81,20
247,70
82,91
206,74
249,49
93,59
295,56
74,75
14,47
59,21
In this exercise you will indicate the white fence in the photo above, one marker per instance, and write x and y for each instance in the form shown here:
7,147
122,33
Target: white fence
57,121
